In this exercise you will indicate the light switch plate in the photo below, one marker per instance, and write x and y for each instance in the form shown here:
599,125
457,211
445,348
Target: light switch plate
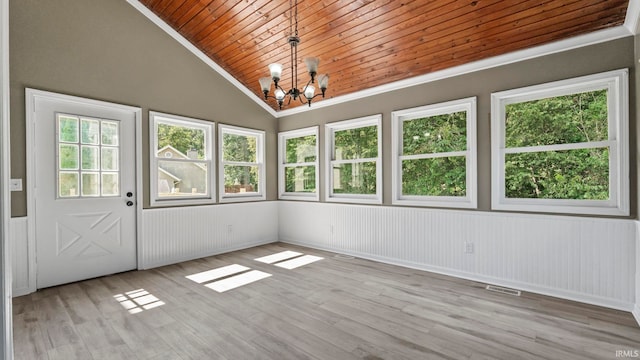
16,185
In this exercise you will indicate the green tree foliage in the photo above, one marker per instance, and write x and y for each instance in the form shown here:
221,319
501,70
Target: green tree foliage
350,144
181,138
68,129
240,148
566,174
441,176
300,150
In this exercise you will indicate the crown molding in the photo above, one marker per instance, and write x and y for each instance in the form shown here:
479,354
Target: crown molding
496,61
632,19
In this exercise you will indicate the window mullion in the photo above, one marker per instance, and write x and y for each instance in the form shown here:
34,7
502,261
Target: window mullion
434,155
559,147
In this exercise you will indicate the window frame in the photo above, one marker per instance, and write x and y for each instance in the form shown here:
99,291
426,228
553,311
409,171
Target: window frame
617,85
282,142
260,163
399,117
208,127
330,130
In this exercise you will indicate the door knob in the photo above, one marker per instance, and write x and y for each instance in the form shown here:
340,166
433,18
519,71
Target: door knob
129,203
129,194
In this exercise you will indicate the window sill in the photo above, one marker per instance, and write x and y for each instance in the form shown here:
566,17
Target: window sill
180,202
439,202
299,197
526,205
376,200
242,198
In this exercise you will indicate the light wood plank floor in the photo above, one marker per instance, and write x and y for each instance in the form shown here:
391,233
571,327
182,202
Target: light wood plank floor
335,308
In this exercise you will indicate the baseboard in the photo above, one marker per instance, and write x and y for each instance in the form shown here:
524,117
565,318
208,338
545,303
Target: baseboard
21,292
557,293
205,254
636,313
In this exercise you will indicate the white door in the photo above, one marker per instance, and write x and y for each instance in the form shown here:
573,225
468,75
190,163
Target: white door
85,211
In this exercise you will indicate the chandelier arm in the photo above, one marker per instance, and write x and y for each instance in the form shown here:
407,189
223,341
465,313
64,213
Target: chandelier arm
293,93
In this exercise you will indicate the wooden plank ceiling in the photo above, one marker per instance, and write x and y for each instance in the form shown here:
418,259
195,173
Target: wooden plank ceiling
365,43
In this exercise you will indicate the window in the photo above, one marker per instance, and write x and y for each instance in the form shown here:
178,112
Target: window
563,146
242,174
354,169
181,160
434,155
88,156
298,164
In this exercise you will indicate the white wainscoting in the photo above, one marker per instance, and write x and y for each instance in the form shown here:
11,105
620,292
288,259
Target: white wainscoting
172,235
19,246
591,260
636,308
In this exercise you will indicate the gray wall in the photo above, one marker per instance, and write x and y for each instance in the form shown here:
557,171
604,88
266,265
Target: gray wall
583,61
107,50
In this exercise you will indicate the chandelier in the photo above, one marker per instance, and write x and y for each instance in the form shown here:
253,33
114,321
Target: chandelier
308,91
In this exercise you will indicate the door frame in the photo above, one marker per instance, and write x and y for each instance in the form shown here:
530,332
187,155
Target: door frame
6,317
31,97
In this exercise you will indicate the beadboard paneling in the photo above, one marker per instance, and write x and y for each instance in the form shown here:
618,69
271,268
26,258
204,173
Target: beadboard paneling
172,235
586,259
19,255
636,308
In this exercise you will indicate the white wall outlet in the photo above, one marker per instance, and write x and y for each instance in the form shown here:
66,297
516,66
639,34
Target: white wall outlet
468,247
16,185
229,229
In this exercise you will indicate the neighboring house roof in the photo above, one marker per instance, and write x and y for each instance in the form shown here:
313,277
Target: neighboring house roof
175,154
175,178
173,150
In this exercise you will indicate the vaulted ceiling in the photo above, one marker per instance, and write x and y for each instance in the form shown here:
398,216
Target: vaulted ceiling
365,43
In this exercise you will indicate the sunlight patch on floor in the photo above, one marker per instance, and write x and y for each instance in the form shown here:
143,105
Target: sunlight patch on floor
284,255
218,273
136,301
299,261
237,280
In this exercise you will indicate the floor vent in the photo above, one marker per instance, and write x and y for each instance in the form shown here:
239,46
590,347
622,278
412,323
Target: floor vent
342,256
503,290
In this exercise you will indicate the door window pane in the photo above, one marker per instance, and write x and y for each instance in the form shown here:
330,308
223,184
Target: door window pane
68,157
109,133
90,158
90,131
67,129
68,184
109,159
110,184
90,184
